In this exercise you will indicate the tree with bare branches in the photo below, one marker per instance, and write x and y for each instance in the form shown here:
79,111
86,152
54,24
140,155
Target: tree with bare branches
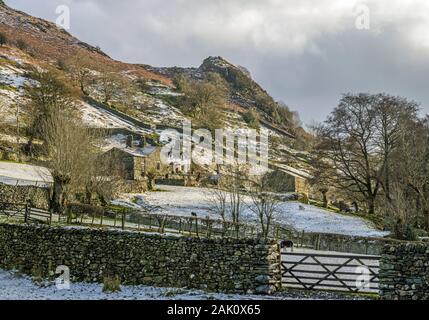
357,141
227,199
265,203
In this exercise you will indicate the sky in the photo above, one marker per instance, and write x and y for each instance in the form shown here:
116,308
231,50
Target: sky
306,53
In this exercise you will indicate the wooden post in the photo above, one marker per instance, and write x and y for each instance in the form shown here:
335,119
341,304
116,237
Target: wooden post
27,213
302,238
50,216
123,219
196,226
208,227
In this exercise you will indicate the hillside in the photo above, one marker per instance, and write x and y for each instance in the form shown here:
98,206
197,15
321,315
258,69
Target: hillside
142,99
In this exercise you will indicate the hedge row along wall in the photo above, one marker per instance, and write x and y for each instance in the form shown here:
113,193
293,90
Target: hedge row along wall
226,265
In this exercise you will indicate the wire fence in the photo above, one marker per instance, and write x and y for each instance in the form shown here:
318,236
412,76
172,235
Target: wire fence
137,220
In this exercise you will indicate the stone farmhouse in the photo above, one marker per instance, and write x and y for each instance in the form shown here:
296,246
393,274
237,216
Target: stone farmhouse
142,161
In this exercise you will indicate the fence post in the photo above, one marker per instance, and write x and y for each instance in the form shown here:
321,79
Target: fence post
50,216
27,212
123,219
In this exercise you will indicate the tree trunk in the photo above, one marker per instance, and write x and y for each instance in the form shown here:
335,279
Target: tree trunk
57,195
426,214
325,200
88,196
371,206
150,183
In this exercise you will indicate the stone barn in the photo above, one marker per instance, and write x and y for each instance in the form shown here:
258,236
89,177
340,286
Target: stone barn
138,162
294,180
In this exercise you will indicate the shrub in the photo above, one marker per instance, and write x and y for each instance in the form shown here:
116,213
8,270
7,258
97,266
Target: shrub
252,119
402,230
22,45
3,39
111,284
37,274
304,199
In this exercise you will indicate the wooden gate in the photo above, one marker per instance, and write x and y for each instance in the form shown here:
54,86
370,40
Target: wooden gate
329,271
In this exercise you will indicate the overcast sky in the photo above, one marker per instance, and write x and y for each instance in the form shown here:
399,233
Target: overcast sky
305,53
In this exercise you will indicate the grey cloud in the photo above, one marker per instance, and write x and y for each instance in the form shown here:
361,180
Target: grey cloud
306,53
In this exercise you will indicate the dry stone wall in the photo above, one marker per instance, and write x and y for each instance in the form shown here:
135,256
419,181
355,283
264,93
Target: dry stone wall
224,265
404,272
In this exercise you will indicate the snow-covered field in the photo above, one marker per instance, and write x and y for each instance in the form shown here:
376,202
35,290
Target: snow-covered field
24,174
18,287
184,200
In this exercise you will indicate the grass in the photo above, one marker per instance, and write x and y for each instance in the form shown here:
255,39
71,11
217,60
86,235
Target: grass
13,161
375,219
7,87
4,61
171,100
111,284
174,292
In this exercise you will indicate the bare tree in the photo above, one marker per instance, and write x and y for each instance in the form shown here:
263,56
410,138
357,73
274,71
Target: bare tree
410,163
81,67
110,84
357,141
70,151
47,97
203,99
218,201
227,199
265,203
103,177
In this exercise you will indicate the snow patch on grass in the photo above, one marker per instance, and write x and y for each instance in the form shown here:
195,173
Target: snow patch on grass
185,200
14,287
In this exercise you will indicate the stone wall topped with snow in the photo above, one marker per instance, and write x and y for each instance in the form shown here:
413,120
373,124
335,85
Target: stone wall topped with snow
222,265
404,272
